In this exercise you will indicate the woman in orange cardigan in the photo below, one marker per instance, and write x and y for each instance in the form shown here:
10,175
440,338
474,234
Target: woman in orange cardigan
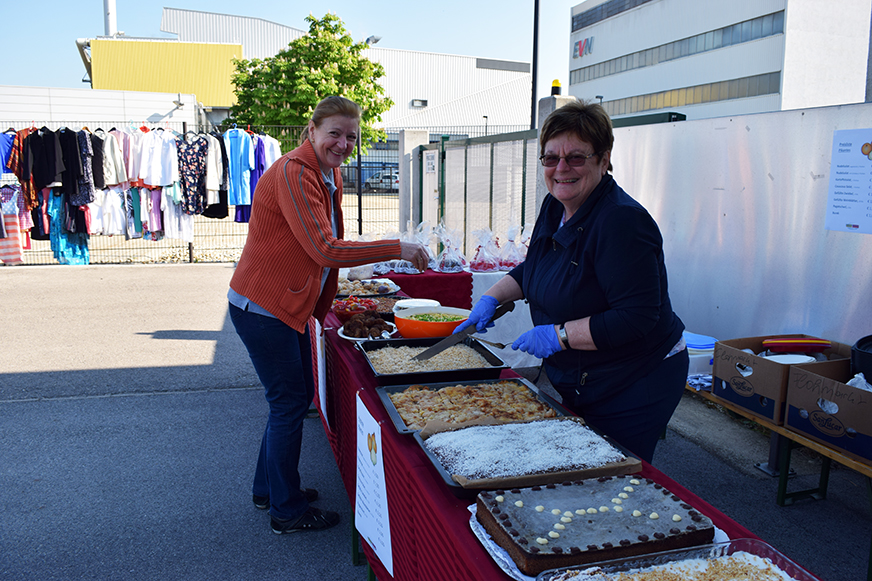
286,274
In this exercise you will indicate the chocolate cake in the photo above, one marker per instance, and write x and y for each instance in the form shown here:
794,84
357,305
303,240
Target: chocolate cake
587,521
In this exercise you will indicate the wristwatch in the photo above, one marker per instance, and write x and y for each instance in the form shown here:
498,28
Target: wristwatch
561,334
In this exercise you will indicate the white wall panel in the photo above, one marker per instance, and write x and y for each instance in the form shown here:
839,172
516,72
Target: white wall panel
741,202
46,104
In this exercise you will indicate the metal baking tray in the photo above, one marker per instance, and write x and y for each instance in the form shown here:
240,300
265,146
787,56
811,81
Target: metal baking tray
385,394
497,365
752,546
629,465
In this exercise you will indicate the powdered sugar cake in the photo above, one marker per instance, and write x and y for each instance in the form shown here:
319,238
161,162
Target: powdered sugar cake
587,521
523,454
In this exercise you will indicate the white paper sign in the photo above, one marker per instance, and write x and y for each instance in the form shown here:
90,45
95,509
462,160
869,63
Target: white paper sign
321,371
371,499
849,204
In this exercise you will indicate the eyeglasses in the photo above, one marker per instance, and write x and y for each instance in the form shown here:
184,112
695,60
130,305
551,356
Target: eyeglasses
574,160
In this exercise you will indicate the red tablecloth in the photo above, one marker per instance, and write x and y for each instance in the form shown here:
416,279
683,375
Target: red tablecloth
430,533
450,289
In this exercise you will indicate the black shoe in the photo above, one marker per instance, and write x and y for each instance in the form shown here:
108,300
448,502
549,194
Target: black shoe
314,519
262,502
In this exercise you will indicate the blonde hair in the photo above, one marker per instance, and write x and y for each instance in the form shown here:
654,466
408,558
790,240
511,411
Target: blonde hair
330,106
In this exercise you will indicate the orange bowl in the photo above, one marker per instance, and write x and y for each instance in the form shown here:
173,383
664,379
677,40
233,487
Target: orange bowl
412,329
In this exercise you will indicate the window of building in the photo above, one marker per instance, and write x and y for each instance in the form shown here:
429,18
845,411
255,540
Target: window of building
746,31
756,85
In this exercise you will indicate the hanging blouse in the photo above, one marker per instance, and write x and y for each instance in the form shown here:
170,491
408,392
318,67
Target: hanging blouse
17,164
214,170
97,161
240,155
84,193
72,161
159,165
272,149
6,140
44,159
114,172
259,162
192,171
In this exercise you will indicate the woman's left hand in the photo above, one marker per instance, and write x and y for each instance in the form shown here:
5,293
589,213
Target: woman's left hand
416,254
541,341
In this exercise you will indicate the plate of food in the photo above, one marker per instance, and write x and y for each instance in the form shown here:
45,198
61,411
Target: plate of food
367,326
374,287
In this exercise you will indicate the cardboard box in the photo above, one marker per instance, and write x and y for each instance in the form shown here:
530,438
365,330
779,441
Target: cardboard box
822,407
754,383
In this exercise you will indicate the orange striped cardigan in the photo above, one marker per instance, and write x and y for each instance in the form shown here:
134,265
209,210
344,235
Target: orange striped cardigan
290,241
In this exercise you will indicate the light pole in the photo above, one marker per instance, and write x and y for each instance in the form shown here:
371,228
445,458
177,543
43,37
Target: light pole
485,125
600,97
535,64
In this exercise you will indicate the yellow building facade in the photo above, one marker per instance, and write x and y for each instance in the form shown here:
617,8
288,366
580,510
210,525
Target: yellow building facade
203,69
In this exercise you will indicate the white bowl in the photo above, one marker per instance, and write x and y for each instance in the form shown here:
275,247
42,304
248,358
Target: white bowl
413,303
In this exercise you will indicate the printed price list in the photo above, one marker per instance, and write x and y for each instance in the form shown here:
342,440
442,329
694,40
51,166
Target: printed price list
849,207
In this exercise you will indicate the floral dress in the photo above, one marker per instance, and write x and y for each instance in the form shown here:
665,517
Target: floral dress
192,169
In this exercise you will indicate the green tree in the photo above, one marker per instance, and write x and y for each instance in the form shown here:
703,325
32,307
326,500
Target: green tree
284,89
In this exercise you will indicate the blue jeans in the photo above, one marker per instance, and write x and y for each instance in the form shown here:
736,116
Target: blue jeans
282,358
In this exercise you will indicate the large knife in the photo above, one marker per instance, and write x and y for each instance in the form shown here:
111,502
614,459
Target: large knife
458,337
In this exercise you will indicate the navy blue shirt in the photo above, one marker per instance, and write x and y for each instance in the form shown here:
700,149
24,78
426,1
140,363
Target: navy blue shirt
607,263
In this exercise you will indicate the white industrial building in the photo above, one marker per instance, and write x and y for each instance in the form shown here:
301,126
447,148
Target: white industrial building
713,58
428,89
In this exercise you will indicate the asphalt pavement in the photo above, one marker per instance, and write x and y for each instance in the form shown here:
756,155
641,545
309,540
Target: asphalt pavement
130,419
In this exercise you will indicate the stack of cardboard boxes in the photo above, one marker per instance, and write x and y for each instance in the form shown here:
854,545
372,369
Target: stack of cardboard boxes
812,399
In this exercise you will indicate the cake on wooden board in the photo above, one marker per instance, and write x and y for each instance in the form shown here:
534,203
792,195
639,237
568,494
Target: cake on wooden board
588,521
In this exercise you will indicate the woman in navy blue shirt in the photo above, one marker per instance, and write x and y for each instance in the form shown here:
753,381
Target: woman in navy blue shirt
596,283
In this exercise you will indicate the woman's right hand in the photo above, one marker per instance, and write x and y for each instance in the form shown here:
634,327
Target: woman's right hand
481,315
416,254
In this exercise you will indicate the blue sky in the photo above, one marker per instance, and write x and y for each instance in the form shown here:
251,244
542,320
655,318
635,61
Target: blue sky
40,35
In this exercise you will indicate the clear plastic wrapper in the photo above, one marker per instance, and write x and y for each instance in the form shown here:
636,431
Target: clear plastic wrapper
451,259
511,255
486,258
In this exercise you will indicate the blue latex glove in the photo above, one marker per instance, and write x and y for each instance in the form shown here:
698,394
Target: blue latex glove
481,315
540,341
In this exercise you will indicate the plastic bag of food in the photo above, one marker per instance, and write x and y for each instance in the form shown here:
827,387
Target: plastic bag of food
486,258
382,268
451,259
424,235
511,256
404,266
526,235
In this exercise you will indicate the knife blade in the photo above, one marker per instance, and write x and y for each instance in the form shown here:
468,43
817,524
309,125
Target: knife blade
458,337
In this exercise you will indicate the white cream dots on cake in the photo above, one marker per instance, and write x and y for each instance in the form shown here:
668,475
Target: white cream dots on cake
591,534
508,450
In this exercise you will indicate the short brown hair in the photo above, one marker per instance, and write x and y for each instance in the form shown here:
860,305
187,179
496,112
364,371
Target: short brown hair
585,120
330,106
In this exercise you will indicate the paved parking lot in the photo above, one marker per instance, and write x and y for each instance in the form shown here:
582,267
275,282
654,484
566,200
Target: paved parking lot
131,419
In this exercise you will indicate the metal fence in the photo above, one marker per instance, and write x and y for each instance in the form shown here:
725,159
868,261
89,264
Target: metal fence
479,182
370,211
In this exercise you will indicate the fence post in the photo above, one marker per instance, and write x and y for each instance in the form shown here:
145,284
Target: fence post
442,143
359,192
190,244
